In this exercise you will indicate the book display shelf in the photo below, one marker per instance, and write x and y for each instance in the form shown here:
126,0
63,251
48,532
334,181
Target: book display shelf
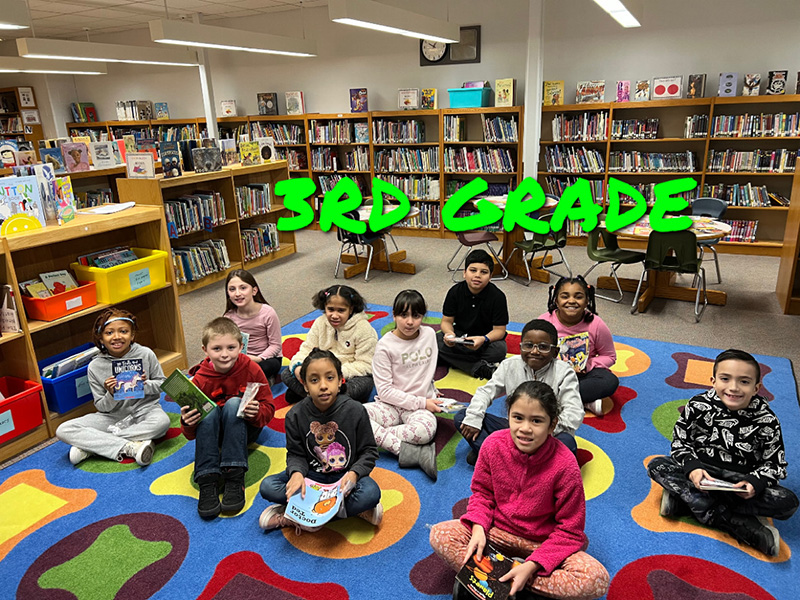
223,186
25,255
12,123
291,144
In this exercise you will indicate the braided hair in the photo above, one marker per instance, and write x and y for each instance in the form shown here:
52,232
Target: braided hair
552,297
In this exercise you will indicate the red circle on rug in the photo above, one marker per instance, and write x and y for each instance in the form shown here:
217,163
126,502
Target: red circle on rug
711,581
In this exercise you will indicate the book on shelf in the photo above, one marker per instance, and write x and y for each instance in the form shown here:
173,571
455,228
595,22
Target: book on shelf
295,103
623,91
105,259
696,86
102,154
170,159
504,92
428,99
590,92
322,501
76,156
34,288
70,363
642,91
408,98
140,165
267,103
776,83
45,176
266,149
21,195
728,84
665,88
25,158
130,378
227,108
361,133
180,389
359,101
58,282
206,160
249,154
9,319
147,145
751,84
228,152
8,151
195,261
161,110
481,578
65,199
129,140
553,94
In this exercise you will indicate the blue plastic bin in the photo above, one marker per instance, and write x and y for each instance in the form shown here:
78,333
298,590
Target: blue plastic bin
67,391
470,97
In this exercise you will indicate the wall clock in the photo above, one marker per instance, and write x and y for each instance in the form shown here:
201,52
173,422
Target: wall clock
467,50
433,51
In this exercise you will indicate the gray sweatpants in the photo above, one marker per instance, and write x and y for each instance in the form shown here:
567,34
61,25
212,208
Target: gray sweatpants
90,432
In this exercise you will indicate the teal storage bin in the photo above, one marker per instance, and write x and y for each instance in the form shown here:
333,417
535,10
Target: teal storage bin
470,97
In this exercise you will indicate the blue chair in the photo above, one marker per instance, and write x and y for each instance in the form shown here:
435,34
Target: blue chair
714,208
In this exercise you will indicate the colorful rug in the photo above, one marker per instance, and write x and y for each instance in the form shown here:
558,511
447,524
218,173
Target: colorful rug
109,531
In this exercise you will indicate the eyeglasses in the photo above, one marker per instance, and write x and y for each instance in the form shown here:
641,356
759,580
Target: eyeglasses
543,348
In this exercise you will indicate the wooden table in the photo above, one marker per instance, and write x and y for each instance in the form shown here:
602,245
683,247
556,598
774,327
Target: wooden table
517,267
396,259
661,284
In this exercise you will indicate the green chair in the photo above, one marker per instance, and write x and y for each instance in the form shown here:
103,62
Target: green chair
660,257
610,253
550,242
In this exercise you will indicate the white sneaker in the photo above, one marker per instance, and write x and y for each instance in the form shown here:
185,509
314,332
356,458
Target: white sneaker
273,518
141,452
595,407
76,455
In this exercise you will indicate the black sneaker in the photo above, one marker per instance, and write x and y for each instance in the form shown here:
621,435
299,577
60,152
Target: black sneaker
472,457
485,371
673,506
751,531
208,505
233,496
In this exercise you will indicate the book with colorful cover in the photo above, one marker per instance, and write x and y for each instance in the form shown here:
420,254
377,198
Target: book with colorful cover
52,157
227,108
147,145
140,165
642,91
590,92
624,91
65,199
25,158
206,160
751,84
322,502
249,154
361,133
266,149
76,156
574,349
428,99
504,92
162,110
359,101
46,178
182,391
170,159
295,103
267,103
482,577
34,288
696,87
58,282
667,87
8,151
102,154
776,84
21,195
130,142
408,98
130,377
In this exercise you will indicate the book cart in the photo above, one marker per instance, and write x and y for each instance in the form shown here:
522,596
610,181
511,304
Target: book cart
25,255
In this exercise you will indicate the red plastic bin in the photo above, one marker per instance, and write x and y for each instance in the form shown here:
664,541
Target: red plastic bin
63,304
21,410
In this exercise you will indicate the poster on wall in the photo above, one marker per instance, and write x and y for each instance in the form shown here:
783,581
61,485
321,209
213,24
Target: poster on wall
26,97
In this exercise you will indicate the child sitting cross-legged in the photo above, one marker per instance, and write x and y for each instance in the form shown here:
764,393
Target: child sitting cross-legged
728,433
325,420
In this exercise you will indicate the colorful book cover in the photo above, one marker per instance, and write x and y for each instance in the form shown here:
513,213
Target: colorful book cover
25,158
65,199
46,178
249,154
76,156
266,149
162,110
58,282
665,88
52,157
147,145
728,84
323,501
140,165
21,196
170,159
8,152
361,133
359,102
428,99
751,85
624,91
776,84
481,577
182,391
295,103
590,92
642,92
408,98
227,108
696,86
267,103
504,92
130,377
228,152
206,160
103,155
35,289
130,142
575,350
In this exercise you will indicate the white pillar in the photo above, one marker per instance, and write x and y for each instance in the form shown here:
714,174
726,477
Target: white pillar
533,88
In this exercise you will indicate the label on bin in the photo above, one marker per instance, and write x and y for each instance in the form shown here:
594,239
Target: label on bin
74,303
82,386
139,279
6,423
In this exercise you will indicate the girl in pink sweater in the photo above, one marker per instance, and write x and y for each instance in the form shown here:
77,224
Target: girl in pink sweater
584,338
527,500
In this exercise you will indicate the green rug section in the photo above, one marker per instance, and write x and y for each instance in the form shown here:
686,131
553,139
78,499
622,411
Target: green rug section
258,466
100,571
665,417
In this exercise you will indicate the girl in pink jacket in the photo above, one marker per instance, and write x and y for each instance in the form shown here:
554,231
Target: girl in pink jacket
527,501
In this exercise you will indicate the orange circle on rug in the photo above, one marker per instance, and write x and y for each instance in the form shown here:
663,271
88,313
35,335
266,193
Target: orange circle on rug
630,361
354,537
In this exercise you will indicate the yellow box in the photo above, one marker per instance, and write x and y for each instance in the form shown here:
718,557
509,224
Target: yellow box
117,284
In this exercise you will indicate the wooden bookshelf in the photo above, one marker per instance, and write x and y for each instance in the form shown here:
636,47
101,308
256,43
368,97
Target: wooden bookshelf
11,107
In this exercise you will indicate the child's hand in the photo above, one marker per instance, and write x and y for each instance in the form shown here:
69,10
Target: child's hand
433,405
348,483
296,482
190,416
520,575
469,433
110,384
255,359
476,544
477,342
251,410
746,485
448,340
698,475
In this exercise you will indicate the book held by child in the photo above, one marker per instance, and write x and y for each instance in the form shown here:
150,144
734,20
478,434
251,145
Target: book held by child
130,377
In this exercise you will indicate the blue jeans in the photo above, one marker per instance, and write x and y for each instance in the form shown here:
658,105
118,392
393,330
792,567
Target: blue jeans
492,423
221,440
365,495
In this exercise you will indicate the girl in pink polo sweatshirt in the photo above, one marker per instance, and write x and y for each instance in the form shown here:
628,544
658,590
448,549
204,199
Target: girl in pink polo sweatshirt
527,501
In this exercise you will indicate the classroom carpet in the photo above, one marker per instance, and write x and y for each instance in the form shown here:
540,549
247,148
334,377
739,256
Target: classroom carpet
115,531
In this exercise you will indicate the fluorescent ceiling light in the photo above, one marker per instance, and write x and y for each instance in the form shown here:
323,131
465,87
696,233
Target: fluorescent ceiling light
69,50
372,15
14,15
618,12
14,64
185,33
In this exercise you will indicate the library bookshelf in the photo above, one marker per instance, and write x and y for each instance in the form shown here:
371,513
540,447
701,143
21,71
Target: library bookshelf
12,121
27,254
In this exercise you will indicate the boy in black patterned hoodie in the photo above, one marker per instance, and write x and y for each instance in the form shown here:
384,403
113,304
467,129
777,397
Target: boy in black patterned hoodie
729,433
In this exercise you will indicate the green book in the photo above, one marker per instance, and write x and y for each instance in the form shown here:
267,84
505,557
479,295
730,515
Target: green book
181,390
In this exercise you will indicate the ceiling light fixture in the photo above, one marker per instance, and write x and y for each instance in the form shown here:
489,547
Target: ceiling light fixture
14,15
92,51
185,33
372,15
15,64
619,12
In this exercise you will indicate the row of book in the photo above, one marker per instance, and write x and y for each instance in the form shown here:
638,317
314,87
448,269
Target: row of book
695,126
478,160
134,110
48,284
633,161
92,198
356,159
173,133
282,133
331,132
752,161
557,185
398,132
196,212
584,127
648,191
494,188
328,182
568,159
741,231
499,129
253,199
195,261
110,257
83,112
761,125
70,363
260,240
407,160
415,188
324,159
744,195
455,128
12,126
429,217
634,129
296,158
495,227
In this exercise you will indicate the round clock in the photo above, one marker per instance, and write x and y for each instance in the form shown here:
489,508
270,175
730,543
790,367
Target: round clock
433,51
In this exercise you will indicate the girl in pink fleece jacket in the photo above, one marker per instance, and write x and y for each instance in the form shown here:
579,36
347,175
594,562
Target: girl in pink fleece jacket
527,501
